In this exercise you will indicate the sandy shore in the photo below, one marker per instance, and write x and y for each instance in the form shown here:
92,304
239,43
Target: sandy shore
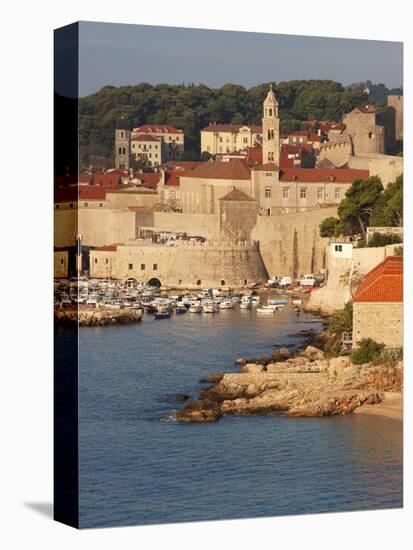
390,407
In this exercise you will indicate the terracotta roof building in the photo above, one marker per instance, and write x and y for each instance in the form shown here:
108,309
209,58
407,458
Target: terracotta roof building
378,304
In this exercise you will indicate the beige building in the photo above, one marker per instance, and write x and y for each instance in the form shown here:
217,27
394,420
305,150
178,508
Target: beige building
154,143
171,141
227,138
371,130
378,304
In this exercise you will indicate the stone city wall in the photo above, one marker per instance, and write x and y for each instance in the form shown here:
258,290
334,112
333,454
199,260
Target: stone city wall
187,265
290,244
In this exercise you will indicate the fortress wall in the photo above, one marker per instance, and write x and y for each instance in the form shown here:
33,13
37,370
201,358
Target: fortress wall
65,227
98,226
204,225
290,244
183,266
338,152
388,168
237,219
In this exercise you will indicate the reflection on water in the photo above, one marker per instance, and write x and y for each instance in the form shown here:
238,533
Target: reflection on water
139,466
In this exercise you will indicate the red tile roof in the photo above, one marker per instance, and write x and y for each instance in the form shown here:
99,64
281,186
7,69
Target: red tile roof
384,283
234,169
311,175
145,137
149,179
157,129
268,167
311,136
107,179
255,129
107,248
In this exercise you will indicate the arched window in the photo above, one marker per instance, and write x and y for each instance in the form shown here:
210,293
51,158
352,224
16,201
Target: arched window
222,282
270,112
198,282
120,150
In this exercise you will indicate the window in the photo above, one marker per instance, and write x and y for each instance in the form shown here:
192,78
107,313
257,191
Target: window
155,267
120,150
142,267
96,260
337,193
62,261
338,248
57,206
124,150
268,174
101,205
370,135
86,204
269,112
245,140
130,266
222,282
121,134
286,192
106,260
71,205
133,146
220,139
303,192
268,211
320,192
268,192
198,282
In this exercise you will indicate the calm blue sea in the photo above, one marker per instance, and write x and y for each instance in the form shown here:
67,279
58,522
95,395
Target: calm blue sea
138,466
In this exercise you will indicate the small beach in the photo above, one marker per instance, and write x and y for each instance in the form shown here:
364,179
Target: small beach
390,407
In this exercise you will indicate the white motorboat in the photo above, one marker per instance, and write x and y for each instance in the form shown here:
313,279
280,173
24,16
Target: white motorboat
246,302
209,307
297,302
266,310
255,301
195,307
226,304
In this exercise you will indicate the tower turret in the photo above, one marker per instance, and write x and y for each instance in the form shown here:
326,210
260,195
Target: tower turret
122,144
270,130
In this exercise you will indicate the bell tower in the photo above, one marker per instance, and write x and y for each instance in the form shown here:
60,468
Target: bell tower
270,130
122,144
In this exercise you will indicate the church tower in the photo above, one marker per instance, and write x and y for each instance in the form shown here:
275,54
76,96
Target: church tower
122,144
270,130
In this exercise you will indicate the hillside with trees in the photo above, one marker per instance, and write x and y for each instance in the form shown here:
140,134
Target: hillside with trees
192,107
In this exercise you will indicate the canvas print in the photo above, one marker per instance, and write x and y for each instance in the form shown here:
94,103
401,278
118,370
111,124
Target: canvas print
228,275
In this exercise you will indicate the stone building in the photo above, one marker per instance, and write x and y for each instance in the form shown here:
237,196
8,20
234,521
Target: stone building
156,143
371,129
378,304
396,102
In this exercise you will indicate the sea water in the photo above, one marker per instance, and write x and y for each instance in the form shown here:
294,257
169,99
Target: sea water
138,465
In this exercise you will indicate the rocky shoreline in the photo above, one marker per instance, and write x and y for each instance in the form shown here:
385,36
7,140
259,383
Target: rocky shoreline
307,384
92,317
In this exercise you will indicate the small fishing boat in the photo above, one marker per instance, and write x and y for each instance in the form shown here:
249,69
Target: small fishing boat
246,302
180,309
162,313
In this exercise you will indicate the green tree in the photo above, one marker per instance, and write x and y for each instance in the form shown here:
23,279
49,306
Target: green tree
389,209
357,206
330,227
366,351
341,321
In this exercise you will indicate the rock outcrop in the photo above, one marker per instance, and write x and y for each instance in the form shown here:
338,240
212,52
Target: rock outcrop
96,317
306,385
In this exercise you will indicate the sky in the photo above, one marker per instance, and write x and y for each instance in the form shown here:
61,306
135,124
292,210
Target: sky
118,54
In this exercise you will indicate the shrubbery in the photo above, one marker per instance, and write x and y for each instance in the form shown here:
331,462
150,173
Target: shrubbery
368,350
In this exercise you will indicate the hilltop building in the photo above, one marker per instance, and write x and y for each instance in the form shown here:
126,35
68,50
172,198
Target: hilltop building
154,143
228,138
